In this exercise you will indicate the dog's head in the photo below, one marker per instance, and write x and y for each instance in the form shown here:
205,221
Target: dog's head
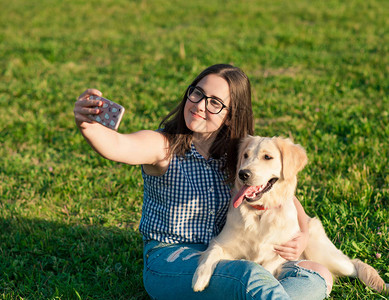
265,163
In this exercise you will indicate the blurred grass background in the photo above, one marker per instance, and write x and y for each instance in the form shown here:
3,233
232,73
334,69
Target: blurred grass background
68,218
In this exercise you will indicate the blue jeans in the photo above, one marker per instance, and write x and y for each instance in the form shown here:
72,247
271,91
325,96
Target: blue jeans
169,268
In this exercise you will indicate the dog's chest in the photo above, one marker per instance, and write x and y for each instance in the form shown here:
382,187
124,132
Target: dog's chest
266,230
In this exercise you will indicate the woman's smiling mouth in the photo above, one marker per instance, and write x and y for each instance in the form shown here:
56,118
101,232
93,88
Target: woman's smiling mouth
196,115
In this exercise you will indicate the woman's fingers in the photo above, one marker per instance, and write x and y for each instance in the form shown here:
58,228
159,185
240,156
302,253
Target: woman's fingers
83,118
288,253
87,110
84,107
88,93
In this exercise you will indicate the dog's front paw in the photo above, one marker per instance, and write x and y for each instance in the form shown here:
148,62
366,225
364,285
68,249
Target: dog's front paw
201,279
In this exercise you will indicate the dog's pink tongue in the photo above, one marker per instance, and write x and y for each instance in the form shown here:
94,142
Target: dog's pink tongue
244,190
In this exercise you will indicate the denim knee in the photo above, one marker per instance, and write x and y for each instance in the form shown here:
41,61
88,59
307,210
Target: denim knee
248,279
301,283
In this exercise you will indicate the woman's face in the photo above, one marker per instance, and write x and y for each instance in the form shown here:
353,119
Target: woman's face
197,118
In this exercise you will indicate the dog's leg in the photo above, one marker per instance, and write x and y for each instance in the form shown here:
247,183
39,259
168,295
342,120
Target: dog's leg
207,264
275,265
370,276
320,249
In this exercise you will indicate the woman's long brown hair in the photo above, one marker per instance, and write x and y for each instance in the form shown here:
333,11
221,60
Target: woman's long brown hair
238,123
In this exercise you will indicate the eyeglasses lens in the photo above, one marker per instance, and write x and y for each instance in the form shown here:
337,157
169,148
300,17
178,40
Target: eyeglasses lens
195,95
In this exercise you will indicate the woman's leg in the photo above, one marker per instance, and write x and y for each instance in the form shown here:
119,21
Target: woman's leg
169,270
305,280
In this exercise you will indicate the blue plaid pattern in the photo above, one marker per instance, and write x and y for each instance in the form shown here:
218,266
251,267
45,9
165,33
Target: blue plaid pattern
188,204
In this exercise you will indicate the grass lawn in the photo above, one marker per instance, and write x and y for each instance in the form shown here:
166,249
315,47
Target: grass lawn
69,219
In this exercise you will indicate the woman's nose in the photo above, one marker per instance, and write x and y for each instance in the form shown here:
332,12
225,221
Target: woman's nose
201,105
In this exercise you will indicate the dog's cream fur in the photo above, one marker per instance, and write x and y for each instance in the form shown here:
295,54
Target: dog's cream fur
251,234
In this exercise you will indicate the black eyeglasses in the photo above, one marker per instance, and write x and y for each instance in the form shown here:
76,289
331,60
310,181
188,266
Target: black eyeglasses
213,105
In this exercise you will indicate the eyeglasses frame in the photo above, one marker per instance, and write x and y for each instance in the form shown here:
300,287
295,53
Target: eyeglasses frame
206,100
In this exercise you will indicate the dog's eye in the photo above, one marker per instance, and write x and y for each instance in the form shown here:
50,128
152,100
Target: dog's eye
245,155
267,157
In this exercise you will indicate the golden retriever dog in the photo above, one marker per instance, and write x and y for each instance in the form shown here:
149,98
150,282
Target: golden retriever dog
262,214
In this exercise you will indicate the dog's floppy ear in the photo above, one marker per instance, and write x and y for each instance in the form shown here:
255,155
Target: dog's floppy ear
294,157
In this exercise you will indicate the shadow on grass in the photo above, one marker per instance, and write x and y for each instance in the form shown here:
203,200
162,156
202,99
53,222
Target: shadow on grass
50,260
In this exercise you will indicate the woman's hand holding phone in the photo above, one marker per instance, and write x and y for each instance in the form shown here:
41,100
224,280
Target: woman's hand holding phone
91,106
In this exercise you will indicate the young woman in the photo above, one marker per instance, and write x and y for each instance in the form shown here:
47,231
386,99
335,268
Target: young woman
186,166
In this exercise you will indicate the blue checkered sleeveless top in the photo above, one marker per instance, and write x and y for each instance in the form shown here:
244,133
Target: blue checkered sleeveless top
188,204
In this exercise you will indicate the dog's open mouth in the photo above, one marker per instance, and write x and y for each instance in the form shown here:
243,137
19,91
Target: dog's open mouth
252,193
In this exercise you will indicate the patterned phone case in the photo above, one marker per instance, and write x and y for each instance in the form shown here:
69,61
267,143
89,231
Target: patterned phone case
111,113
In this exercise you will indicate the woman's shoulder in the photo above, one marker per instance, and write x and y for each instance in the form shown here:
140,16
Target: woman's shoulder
159,144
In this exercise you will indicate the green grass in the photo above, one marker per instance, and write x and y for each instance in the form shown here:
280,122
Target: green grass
69,218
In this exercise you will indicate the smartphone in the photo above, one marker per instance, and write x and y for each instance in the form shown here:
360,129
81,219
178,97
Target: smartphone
111,113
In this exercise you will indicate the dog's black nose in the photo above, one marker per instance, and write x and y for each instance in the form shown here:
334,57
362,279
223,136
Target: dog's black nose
244,174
